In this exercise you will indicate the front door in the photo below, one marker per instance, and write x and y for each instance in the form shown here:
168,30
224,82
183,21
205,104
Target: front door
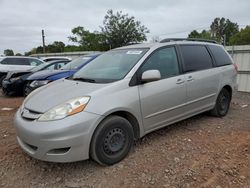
162,101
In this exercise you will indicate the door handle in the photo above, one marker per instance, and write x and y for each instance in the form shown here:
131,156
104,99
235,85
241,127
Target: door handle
179,81
190,78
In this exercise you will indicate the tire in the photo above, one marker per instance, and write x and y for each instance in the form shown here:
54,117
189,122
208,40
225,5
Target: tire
25,90
222,103
4,92
112,140
1,79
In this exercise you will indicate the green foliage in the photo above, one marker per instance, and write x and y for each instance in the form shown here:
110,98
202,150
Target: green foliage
222,27
55,47
8,52
120,29
88,40
219,29
73,48
202,35
241,38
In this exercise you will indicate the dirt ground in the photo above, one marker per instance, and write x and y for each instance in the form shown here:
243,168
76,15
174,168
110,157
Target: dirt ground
202,151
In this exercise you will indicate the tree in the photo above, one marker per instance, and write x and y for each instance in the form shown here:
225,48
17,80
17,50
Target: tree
88,40
241,38
55,47
18,54
221,28
194,34
8,52
120,29
202,35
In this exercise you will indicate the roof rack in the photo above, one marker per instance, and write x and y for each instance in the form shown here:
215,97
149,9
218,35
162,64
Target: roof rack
187,39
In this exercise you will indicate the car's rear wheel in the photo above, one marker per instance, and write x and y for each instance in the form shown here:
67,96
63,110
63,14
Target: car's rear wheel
112,140
222,103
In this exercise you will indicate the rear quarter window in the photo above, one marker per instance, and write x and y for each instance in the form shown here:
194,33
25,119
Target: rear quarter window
220,55
195,57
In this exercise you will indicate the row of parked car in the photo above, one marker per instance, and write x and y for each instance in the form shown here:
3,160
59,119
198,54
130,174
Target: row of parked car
106,102
22,75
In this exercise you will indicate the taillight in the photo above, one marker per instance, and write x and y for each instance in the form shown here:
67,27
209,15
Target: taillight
235,67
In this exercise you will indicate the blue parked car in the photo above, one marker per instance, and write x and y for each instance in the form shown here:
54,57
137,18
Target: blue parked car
42,78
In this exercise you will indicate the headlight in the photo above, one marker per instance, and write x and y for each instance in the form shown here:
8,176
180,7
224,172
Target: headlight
38,83
69,108
15,79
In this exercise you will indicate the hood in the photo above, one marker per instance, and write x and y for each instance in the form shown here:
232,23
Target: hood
58,92
41,75
13,74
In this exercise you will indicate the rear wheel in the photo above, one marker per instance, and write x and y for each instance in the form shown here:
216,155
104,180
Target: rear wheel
112,140
222,103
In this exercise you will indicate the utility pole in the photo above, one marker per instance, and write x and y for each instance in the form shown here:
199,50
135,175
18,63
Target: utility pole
224,39
43,38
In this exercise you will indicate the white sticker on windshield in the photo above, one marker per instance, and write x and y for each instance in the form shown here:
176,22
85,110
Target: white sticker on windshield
134,52
86,58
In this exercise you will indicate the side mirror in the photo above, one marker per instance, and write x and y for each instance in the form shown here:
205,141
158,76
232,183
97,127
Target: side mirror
150,76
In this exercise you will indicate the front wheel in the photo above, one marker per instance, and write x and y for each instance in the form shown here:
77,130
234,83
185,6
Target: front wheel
222,103
1,79
112,140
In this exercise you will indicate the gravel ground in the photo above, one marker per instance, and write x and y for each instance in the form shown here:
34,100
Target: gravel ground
202,151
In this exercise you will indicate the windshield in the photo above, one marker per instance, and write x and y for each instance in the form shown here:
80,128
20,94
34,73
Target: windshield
39,67
76,63
111,66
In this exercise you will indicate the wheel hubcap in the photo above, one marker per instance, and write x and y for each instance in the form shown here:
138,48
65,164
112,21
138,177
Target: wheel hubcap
223,103
114,141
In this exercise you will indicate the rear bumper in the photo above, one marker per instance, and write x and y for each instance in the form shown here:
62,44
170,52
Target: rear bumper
65,140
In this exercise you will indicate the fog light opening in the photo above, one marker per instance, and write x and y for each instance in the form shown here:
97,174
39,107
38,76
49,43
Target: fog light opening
58,151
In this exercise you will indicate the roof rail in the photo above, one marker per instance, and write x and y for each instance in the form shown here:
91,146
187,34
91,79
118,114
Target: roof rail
187,39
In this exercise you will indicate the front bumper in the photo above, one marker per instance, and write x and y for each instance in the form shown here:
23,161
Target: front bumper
28,89
65,140
15,87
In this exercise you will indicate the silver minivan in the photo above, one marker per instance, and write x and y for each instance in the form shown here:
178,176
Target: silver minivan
121,96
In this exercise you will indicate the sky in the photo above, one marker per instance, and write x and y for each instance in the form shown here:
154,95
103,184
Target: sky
21,21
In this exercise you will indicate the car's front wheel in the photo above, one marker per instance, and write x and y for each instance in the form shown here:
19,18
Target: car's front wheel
112,140
1,79
222,103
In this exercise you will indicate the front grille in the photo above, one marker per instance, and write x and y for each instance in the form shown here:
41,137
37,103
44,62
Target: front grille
30,114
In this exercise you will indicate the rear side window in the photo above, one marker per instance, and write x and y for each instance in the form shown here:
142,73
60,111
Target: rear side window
220,56
196,58
15,61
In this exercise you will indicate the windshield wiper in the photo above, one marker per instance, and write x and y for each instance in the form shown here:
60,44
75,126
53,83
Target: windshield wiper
84,79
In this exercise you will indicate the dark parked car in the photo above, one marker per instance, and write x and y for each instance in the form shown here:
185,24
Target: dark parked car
42,78
15,81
